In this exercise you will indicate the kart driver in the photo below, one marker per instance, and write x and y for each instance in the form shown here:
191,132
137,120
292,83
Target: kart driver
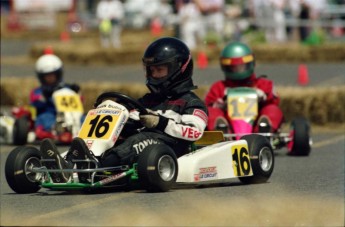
49,71
176,117
237,62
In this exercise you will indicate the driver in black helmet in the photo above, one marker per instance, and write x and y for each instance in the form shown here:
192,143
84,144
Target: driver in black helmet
176,116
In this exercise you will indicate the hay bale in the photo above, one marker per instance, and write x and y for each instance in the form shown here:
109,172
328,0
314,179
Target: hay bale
15,91
321,105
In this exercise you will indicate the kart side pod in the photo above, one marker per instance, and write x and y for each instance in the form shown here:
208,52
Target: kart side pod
224,160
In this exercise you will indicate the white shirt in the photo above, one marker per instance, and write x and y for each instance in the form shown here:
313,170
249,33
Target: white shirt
112,9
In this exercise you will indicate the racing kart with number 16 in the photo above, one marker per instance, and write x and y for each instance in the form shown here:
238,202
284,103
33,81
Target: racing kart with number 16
210,160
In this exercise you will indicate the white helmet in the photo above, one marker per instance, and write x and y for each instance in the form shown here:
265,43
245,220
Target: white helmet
48,64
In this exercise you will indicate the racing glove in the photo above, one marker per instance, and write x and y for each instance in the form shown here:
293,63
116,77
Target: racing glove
74,87
261,95
153,120
220,104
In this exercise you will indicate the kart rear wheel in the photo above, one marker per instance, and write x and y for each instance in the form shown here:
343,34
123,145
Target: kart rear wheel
20,131
261,159
157,168
18,169
300,137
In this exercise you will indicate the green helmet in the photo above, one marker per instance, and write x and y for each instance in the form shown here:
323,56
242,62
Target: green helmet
237,61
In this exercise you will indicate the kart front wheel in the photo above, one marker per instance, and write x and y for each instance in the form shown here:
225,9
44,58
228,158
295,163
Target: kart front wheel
157,168
20,131
300,138
261,159
18,169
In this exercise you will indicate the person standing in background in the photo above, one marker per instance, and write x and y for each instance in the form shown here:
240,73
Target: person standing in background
110,14
213,16
270,17
279,27
309,16
190,23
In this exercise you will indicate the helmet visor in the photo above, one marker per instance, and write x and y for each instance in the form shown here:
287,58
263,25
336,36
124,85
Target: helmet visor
50,79
240,68
157,71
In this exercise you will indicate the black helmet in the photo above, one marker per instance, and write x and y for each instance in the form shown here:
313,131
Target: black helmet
176,55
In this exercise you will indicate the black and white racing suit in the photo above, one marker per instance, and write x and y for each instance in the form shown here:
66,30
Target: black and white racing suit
182,120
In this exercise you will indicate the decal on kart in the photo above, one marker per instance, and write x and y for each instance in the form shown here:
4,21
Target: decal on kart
99,124
68,103
241,161
207,173
89,143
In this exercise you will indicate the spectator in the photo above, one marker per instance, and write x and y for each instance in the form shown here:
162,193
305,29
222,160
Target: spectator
110,14
213,16
190,23
270,16
309,16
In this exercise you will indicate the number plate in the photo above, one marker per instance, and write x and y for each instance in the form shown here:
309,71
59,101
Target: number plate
68,103
99,124
241,160
242,105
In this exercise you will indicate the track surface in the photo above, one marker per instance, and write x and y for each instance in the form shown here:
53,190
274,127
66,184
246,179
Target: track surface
319,74
303,191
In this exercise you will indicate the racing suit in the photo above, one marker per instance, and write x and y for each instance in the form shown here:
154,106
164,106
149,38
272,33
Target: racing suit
182,120
268,105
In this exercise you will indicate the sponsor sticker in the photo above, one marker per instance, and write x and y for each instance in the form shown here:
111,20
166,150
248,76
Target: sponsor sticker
201,114
89,143
206,173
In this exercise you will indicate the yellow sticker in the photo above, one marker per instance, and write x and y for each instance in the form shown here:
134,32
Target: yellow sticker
248,58
242,107
240,160
99,124
68,103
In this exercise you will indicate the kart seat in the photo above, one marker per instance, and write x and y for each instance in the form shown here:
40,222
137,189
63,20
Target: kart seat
210,137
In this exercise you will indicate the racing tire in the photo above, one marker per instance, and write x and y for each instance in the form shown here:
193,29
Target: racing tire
18,167
261,159
20,131
157,168
300,144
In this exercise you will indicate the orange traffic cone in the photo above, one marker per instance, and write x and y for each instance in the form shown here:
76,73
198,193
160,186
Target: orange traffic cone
303,76
64,36
156,27
48,50
202,60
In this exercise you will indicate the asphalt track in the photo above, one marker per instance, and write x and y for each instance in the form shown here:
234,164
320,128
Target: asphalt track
283,74
302,191
15,63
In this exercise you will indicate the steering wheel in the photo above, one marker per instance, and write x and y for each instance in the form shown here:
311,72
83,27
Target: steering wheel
127,101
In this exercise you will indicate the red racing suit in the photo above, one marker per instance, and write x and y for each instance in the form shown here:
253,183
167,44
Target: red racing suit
269,107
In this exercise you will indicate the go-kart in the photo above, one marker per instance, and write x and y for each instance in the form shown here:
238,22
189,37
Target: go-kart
242,110
210,159
19,129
